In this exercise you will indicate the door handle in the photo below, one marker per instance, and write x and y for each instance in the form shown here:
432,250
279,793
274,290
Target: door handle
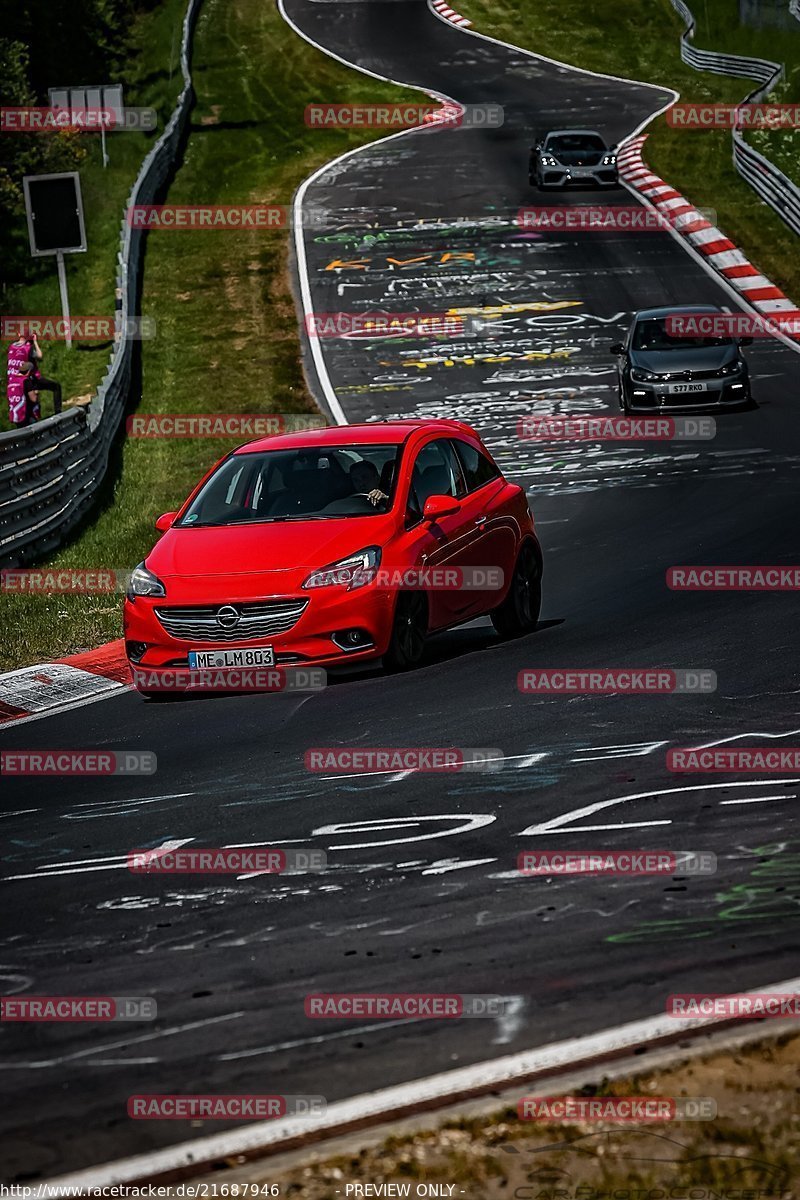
480,520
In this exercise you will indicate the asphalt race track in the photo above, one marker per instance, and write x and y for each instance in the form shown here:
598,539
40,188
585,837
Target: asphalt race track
421,891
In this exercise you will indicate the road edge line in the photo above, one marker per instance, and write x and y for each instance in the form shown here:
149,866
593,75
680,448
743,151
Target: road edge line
265,1138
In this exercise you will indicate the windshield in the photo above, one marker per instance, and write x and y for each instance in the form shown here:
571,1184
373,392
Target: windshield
575,143
652,335
296,485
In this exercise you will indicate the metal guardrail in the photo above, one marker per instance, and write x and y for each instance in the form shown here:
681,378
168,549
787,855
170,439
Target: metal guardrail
50,472
763,176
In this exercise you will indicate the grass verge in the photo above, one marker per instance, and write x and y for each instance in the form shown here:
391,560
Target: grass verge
226,323
642,41
152,79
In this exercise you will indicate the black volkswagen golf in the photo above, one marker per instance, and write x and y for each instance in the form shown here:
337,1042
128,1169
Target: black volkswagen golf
662,364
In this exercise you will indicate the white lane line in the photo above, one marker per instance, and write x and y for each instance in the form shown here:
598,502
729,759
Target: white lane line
553,824
385,1104
751,733
757,799
605,828
86,866
277,1047
170,1031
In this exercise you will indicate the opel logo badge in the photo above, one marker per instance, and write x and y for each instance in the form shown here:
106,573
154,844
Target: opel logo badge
228,616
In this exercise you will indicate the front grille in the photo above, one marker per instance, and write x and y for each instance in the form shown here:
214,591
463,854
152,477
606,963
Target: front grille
256,620
688,376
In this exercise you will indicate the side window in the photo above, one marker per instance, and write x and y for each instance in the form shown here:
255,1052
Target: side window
436,473
478,469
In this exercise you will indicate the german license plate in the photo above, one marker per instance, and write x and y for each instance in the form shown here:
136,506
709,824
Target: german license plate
260,656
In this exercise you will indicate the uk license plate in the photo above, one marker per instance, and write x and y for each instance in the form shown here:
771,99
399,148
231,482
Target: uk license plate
679,389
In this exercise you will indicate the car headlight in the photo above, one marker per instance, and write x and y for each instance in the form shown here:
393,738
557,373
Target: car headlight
549,161
352,572
640,376
731,368
609,160
144,583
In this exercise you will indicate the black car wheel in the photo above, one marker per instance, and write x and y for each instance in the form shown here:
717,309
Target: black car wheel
409,632
519,612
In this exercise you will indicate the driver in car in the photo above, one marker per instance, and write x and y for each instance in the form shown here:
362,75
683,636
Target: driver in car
366,481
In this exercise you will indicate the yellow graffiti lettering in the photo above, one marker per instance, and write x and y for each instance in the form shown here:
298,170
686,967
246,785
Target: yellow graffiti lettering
340,264
404,262
501,309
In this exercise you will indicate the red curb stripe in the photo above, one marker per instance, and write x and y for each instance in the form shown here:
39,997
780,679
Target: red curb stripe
715,247
739,272
9,713
108,660
765,293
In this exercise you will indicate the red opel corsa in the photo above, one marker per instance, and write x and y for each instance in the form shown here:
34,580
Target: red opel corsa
336,545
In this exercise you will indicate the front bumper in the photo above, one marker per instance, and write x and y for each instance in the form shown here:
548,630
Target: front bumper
329,612
718,393
562,177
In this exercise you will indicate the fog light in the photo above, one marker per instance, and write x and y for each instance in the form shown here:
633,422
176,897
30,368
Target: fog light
352,639
136,650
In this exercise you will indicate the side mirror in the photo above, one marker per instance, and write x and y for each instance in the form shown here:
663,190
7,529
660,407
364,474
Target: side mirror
439,506
165,521
746,341
617,348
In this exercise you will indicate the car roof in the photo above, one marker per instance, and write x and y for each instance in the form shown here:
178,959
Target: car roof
670,309
374,433
559,132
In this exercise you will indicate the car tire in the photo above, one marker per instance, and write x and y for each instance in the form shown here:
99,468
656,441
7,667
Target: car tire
409,632
519,612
